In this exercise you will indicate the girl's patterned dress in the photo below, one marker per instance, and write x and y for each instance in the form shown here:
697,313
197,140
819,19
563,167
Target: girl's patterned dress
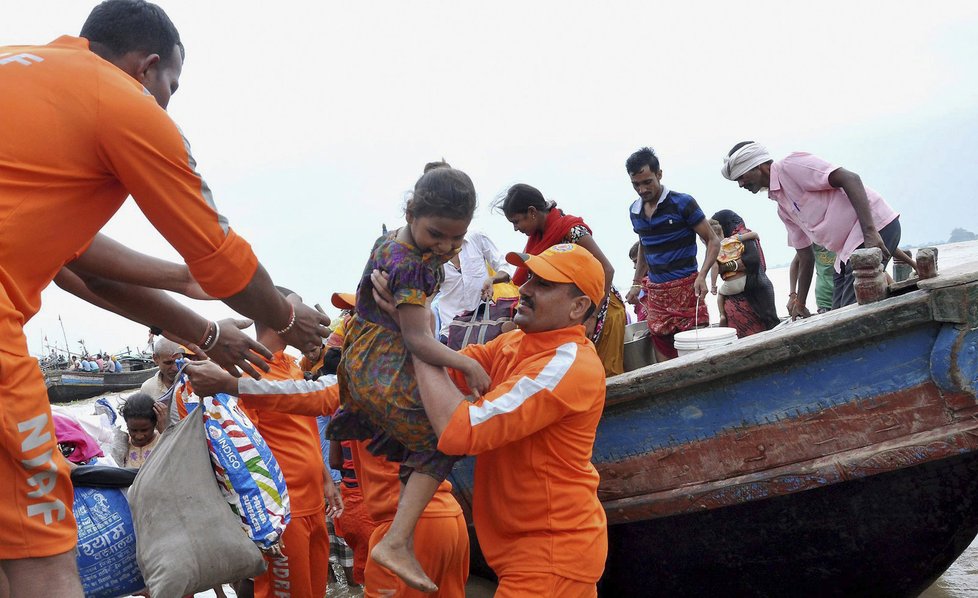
136,456
378,391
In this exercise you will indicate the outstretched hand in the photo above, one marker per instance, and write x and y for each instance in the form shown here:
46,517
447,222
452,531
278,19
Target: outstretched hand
208,379
235,349
309,328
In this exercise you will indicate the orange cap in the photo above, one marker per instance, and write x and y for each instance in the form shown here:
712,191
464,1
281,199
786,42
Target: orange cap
566,263
344,300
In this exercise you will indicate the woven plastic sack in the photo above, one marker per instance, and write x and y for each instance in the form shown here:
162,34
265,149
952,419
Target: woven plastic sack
247,472
106,553
187,539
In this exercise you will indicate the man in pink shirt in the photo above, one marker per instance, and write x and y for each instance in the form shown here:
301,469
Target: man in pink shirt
818,202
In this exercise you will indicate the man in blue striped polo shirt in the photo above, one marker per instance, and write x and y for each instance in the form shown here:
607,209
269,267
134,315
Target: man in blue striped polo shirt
667,223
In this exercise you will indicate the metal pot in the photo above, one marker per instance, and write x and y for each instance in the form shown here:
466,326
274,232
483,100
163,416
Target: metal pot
639,350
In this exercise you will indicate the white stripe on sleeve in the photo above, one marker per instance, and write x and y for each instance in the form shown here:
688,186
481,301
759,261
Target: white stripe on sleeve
548,379
250,386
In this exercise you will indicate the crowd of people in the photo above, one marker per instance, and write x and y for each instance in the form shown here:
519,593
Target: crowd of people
386,402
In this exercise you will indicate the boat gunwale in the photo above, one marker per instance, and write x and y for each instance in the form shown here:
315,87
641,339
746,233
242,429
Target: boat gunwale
829,331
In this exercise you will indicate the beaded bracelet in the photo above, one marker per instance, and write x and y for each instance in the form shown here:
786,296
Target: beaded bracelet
291,322
213,343
209,337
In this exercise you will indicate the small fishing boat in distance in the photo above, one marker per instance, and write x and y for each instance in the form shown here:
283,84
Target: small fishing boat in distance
833,456
72,385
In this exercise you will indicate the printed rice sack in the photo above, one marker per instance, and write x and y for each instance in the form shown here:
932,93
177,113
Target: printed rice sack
247,472
106,543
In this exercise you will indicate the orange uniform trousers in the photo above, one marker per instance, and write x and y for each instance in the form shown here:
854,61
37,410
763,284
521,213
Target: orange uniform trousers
543,585
36,496
441,545
355,526
301,571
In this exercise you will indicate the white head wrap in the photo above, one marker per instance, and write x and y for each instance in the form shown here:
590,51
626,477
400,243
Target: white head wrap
748,157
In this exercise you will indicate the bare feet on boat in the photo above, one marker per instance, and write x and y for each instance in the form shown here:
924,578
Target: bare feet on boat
400,560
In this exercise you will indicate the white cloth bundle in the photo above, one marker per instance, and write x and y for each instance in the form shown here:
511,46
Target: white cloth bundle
748,157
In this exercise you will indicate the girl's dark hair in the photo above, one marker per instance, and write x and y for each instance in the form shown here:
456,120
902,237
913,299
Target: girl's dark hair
519,198
139,404
444,192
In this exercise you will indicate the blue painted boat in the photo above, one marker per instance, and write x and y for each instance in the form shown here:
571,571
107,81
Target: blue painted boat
834,456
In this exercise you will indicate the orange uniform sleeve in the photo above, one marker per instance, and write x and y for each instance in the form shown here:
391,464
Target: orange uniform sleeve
145,150
532,397
298,397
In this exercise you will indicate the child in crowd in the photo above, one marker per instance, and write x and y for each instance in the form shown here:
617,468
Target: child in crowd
729,266
378,390
145,421
640,312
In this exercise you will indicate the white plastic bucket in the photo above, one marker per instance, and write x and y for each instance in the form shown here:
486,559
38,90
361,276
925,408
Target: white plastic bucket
703,338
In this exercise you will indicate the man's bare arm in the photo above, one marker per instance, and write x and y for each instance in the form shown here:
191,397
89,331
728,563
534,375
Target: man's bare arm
439,395
153,307
853,186
110,259
705,232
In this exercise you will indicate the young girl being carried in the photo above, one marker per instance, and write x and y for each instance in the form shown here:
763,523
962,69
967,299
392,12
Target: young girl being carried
378,391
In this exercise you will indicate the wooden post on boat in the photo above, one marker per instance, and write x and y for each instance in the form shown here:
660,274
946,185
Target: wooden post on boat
867,271
926,262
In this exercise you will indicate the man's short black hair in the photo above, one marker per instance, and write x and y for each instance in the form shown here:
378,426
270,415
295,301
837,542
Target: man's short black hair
643,157
575,293
123,26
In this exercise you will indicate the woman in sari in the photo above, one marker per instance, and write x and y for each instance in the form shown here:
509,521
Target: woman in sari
546,225
751,310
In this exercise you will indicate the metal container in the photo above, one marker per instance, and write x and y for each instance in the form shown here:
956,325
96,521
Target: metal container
639,350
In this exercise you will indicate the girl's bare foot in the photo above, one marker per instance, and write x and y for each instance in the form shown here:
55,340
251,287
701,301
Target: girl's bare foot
400,560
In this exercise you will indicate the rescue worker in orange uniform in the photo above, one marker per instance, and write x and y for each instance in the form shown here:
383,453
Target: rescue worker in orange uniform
294,440
86,128
535,503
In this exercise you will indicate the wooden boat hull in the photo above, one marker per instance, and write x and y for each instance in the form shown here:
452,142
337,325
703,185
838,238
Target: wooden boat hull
891,534
838,456
65,386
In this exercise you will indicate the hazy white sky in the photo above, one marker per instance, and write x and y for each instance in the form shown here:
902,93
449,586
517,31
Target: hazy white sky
310,120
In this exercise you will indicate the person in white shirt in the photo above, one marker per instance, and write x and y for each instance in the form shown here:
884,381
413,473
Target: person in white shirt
467,281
